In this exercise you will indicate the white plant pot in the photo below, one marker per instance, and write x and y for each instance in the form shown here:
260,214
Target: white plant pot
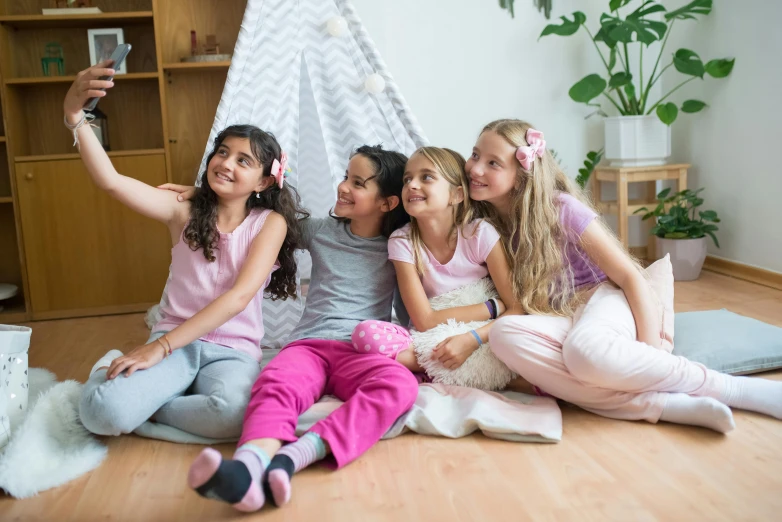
687,256
637,141
14,342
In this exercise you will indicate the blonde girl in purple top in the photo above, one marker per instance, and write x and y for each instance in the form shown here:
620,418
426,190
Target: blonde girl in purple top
234,240
577,352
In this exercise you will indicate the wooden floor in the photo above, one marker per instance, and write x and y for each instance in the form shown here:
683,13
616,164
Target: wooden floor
602,470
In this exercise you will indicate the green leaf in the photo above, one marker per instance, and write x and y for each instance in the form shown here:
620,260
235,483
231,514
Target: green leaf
720,68
676,235
710,228
711,234
630,91
709,215
567,27
587,88
508,4
647,31
688,62
593,158
612,59
691,106
664,193
602,36
687,12
619,79
613,5
667,113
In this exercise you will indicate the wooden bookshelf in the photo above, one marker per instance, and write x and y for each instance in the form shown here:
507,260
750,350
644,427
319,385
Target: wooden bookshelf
75,251
195,66
69,79
40,21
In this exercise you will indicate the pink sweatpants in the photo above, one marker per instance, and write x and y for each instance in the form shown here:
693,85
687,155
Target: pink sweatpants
594,360
376,390
380,337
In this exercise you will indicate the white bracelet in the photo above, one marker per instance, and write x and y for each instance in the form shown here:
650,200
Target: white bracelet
86,119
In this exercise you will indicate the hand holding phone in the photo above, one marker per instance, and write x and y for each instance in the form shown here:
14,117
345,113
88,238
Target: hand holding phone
117,57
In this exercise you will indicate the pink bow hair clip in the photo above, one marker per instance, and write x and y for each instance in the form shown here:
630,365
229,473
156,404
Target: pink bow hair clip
537,146
280,169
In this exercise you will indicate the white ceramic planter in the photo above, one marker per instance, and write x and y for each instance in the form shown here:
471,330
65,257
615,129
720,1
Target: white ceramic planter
636,141
687,256
14,342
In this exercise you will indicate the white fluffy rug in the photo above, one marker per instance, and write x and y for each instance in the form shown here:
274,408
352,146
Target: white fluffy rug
50,447
482,369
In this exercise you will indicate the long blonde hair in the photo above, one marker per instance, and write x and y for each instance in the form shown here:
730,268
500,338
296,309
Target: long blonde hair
450,165
543,281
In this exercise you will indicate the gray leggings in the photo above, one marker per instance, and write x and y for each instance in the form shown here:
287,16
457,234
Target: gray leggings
202,389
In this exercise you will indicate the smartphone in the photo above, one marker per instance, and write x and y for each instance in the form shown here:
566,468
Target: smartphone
118,56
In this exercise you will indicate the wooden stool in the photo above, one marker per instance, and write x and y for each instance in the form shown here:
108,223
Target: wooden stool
624,208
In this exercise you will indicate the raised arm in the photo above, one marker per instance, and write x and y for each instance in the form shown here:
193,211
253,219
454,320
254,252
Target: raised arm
254,271
144,199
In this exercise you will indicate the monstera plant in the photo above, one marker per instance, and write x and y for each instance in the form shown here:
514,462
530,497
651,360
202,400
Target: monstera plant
625,90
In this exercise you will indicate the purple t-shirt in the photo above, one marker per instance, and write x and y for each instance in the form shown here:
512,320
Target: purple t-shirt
574,217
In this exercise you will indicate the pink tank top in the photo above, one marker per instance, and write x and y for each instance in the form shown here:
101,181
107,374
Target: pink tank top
193,283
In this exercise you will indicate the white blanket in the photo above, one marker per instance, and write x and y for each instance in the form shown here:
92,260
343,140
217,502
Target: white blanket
51,447
440,409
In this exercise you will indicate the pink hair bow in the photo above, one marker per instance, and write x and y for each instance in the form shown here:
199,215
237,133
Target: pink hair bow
537,146
280,169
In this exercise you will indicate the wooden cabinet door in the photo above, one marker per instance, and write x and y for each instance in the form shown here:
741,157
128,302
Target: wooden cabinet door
87,254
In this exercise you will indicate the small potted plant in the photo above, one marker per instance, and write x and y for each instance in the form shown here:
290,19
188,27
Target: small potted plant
681,230
640,135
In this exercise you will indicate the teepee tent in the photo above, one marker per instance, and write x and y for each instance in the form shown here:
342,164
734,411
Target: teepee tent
307,71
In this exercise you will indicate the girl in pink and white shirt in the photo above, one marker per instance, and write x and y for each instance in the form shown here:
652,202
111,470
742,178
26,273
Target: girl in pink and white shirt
441,249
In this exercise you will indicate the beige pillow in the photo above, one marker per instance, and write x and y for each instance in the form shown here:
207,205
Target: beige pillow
661,279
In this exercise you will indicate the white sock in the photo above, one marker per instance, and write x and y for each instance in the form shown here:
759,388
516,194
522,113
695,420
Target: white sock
753,394
106,360
698,411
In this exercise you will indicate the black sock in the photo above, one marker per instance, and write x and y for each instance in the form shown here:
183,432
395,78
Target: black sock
283,462
230,482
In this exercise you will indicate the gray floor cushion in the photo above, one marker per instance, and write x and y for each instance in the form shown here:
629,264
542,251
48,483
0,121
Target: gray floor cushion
728,342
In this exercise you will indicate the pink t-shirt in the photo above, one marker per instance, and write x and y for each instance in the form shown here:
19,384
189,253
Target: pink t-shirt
574,217
193,283
468,264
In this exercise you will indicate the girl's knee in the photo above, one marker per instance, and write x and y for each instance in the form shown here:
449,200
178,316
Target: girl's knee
102,417
583,353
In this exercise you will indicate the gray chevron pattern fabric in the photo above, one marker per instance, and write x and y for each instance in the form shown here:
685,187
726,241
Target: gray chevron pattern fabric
289,76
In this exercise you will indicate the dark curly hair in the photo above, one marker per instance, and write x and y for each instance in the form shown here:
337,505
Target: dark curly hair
389,171
201,231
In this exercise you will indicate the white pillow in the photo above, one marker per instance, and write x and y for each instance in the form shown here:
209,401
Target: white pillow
482,369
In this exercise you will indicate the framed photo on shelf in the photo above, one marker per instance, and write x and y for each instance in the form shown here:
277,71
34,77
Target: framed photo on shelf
102,43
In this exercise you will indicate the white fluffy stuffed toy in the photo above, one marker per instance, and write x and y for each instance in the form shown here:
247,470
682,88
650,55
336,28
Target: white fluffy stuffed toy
482,369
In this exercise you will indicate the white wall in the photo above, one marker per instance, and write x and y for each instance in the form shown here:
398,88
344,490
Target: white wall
463,63
734,144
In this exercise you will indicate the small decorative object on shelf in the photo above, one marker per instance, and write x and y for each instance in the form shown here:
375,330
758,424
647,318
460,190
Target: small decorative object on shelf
102,43
53,56
211,46
7,291
100,125
211,50
65,7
